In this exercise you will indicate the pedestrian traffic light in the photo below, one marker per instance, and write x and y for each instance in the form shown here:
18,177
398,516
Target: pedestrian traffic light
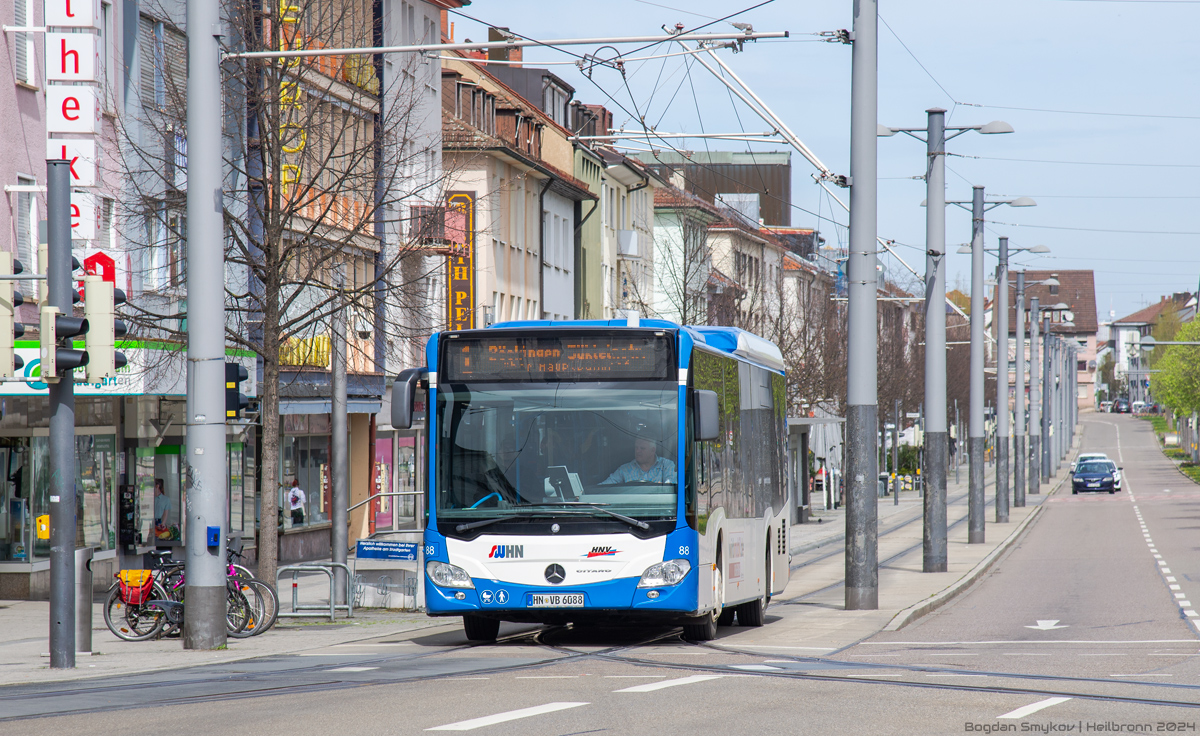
235,400
99,299
10,329
58,326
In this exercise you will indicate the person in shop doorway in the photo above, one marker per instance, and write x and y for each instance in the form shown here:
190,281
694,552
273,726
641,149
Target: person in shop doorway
296,502
162,505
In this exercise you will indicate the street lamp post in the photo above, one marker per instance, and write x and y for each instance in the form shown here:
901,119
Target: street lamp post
1002,431
1019,398
975,433
1035,401
1047,388
936,433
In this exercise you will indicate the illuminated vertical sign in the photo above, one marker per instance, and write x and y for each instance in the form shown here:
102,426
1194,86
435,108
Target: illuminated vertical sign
460,279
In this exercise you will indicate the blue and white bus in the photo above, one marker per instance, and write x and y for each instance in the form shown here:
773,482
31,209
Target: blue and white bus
602,472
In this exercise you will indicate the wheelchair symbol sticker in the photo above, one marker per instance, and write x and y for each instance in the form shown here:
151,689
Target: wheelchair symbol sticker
485,596
502,597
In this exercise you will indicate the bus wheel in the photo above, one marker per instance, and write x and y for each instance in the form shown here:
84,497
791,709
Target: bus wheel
754,612
704,628
479,628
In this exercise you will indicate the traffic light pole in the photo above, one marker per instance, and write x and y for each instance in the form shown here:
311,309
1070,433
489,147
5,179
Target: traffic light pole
205,464
62,425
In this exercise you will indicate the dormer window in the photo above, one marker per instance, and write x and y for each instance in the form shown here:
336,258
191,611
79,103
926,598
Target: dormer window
1054,287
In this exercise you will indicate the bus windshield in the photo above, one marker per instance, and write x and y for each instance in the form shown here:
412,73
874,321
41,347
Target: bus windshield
506,450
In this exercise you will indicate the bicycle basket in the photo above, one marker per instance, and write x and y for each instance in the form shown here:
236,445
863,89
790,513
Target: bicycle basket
135,586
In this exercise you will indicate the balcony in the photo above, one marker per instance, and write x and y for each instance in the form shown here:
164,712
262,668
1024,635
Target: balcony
627,244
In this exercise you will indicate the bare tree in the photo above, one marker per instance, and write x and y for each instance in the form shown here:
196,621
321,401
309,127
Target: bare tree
323,162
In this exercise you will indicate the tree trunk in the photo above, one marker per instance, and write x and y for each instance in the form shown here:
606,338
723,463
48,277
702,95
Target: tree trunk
268,540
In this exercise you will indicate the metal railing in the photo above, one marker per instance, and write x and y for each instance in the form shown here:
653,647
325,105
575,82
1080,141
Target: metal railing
309,610
369,499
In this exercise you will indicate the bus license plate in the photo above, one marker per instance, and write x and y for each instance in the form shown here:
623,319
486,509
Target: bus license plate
555,600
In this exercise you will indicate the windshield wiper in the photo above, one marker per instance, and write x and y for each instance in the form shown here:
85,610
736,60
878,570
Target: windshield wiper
599,507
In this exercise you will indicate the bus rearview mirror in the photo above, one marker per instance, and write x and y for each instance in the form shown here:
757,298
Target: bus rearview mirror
404,396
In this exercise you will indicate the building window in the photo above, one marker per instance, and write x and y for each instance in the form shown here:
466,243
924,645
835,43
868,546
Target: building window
25,54
26,244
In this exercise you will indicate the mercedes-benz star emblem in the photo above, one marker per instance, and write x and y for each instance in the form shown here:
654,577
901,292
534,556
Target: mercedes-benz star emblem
555,574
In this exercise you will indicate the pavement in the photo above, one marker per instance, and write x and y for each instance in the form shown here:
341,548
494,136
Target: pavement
808,618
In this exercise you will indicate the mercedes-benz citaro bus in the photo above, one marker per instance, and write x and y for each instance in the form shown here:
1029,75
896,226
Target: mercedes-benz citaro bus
606,472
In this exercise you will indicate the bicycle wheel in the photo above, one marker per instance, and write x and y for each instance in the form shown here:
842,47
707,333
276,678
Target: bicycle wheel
173,584
264,607
238,611
134,622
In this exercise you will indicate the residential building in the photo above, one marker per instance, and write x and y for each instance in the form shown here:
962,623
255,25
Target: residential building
1130,366
627,234
1077,322
684,284
757,184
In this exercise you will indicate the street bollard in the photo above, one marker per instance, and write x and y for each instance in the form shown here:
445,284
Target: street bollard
83,599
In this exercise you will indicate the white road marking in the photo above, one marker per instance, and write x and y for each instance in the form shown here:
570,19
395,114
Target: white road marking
1170,580
756,668
1175,587
1165,570
1191,614
1026,654
376,644
547,677
1179,595
451,679
1047,625
896,674
1185,604
949,674
1033,708
352,669
1143,674
1023,641
652,686
1102,654
322,654
633,677
511,715
815,649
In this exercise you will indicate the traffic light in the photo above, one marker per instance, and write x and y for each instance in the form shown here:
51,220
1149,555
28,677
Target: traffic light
58,326
99,299
10,329
235,400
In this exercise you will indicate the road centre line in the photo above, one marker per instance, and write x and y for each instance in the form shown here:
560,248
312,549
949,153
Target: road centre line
511,715
652,686
546,677
1032,708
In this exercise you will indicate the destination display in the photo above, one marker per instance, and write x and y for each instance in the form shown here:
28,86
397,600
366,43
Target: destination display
565,358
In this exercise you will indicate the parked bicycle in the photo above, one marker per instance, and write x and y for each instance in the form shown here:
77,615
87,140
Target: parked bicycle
144,604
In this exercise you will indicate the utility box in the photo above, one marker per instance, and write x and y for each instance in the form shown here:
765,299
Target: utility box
83,599
43,526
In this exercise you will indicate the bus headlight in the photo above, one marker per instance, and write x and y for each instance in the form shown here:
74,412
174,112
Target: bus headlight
448,576
665,574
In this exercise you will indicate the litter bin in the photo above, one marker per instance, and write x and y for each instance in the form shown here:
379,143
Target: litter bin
83,599
883,484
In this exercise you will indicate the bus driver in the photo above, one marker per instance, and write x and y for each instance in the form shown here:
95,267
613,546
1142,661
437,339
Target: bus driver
646,466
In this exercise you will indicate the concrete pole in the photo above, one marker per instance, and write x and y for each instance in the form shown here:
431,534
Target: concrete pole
1019,398
1035,401
975,432
339,450
862,472
62,425
1002,430
937,435
1047,396
207,495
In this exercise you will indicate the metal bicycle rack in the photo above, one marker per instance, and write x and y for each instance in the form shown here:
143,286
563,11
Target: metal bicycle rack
310,610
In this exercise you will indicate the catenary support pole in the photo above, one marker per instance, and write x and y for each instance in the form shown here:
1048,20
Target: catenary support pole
1034,466
896,456
62,425
1019,400
205,464
1047,399
340,450
862,508
1002,430
975,431
937,437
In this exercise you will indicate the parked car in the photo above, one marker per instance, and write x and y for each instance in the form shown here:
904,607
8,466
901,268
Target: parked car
1138,407
1095,475
1087,456
1121,406
1106,406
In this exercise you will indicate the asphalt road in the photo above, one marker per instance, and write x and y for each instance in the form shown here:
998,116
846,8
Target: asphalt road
1077,628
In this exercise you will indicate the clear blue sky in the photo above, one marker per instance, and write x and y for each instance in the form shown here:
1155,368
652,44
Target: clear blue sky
1132,60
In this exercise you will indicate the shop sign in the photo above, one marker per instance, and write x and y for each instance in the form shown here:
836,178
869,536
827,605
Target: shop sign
460,234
